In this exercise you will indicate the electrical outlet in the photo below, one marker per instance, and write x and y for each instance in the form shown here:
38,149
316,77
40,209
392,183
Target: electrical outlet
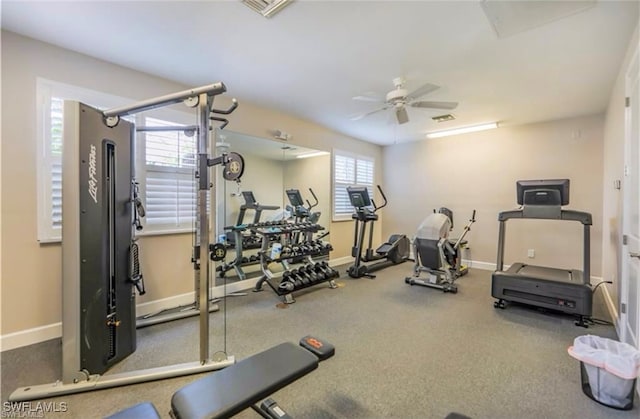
531,253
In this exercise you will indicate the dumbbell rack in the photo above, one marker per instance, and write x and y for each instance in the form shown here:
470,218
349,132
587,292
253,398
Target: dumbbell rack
240,244
284,284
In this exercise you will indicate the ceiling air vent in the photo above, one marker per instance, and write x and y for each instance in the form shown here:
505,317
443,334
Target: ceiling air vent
443,118
266,8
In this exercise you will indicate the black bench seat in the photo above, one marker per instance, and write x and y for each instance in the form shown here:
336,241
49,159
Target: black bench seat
238,387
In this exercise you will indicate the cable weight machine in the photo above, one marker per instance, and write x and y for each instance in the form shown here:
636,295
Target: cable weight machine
99,327
229,160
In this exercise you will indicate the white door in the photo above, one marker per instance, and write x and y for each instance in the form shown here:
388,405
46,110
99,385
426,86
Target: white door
630,284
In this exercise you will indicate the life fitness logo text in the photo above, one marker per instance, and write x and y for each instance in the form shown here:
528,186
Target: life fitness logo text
93,182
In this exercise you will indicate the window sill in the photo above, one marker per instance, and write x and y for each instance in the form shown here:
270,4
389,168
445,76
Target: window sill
342,219
143,233
148,233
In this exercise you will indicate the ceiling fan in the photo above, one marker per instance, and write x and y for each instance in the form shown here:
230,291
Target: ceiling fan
399,99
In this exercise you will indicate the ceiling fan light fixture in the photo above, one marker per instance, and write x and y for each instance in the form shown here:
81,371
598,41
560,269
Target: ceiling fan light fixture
462,130
267,8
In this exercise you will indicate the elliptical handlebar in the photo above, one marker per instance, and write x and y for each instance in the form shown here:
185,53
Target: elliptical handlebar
315,204
384,197
467,228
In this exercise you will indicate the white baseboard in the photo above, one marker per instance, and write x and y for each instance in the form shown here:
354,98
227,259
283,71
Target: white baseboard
485,266
611,307
54,330
340,261
30,336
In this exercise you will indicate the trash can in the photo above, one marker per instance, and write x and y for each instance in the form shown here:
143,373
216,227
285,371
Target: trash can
608,370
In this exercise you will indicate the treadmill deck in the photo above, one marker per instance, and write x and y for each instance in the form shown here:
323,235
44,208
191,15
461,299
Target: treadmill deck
543,272
558,289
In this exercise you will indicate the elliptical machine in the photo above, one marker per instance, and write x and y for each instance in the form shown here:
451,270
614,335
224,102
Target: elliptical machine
297,208
393,252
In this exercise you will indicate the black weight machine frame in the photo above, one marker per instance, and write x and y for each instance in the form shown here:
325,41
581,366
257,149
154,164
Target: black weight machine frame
394,251
100,135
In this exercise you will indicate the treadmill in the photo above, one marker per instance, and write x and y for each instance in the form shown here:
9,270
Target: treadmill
564,290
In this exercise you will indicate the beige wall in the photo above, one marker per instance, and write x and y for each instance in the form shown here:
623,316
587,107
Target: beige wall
31,273
479,171
613,156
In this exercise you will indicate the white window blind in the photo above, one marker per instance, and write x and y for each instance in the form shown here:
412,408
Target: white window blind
349,170
170,190
169,163
55,168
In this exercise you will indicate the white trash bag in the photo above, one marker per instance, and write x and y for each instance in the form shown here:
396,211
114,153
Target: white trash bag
611,367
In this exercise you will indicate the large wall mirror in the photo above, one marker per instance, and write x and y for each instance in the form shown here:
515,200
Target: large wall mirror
271,168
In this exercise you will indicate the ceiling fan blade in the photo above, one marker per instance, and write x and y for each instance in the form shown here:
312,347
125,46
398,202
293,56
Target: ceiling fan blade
421,91
362,115
369,97
401,115
434,105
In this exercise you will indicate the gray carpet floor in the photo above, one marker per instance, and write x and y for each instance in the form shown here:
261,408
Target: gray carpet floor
401,352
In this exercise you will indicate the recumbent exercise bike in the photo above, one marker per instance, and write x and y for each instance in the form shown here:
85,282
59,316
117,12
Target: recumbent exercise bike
436,254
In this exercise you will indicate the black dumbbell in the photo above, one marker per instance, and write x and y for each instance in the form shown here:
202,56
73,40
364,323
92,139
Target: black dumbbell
254,258
289,276
304,277
297,282
312,274
323,276
326,269
286,286
244,259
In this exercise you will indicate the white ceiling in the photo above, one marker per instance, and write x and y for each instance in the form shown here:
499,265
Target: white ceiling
313,57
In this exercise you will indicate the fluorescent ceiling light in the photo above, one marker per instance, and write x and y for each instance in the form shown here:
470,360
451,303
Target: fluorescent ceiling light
312,154
463,130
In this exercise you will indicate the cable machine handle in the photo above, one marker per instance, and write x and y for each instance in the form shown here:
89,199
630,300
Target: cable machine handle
234,105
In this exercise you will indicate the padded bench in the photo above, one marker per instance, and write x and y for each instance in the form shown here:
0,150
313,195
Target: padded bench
238,387
242,385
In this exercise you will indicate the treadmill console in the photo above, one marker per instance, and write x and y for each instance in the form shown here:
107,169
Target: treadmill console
295,198
550,192
249,198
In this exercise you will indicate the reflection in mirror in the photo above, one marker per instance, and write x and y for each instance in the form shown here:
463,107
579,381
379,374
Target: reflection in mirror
271,168
305,169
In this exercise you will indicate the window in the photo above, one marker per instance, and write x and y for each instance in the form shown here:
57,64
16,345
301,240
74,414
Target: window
348,170
169,187
164,167
50,99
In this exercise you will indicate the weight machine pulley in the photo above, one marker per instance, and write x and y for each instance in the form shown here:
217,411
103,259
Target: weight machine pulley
233,168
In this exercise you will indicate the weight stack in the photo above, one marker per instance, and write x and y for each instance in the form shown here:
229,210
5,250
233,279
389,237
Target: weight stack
99,327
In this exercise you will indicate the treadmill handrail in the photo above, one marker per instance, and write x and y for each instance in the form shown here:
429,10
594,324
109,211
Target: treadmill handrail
565,215
570,215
